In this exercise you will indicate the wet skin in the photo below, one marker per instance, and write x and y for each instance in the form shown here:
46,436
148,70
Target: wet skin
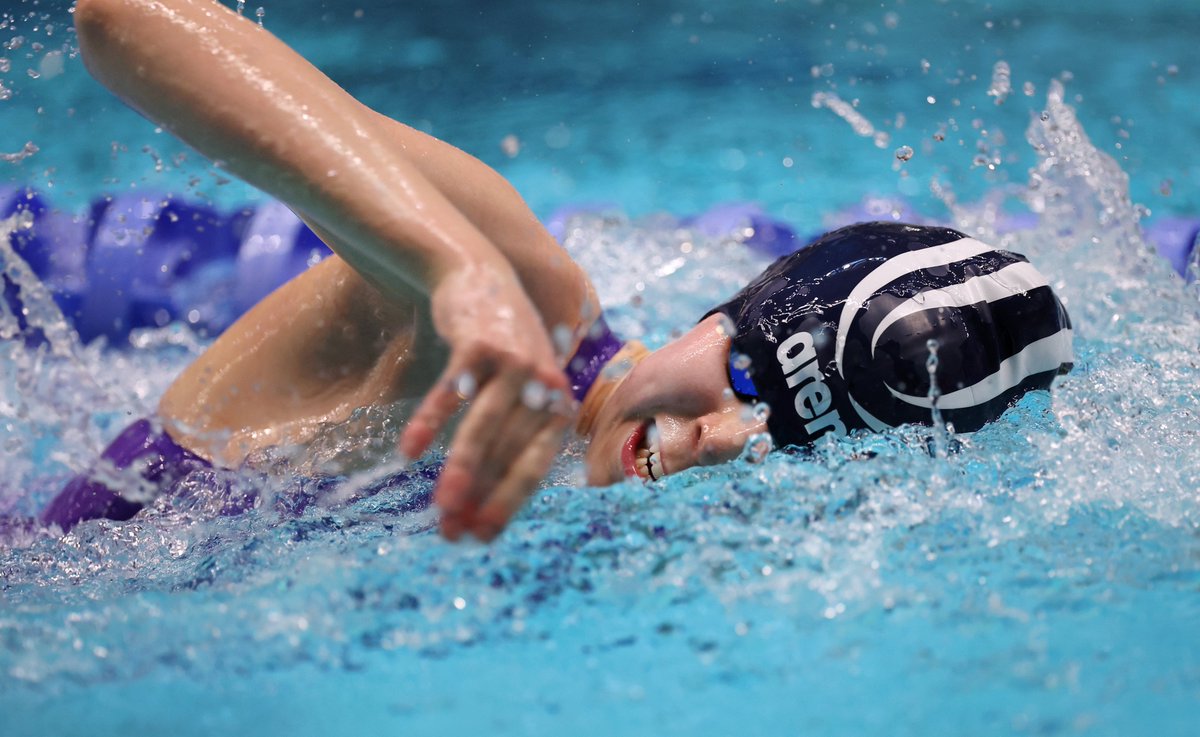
683,391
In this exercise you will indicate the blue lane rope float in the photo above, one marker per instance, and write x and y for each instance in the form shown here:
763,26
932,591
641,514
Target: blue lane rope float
139,260
1177,240
146,260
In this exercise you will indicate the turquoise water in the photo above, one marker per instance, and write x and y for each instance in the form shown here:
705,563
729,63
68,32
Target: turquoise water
1043,578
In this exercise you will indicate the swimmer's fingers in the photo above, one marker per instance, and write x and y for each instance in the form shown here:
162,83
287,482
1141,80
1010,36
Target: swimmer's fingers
523,477
458,383
456,491
542,401
491,439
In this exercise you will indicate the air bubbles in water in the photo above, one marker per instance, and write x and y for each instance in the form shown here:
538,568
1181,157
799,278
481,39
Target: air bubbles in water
904,153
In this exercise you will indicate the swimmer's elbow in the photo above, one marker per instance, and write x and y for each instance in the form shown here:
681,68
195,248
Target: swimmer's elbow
94,17
97,23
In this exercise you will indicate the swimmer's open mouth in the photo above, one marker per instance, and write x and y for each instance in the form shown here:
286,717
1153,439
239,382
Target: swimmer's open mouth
642,456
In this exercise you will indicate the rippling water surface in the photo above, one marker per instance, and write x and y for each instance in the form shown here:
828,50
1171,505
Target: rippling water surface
1041,578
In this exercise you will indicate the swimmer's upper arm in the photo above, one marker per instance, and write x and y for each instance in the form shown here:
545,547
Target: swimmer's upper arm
400,206
315,349
245,99
559,288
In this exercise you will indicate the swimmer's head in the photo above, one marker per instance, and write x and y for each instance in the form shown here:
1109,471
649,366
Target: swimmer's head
835,338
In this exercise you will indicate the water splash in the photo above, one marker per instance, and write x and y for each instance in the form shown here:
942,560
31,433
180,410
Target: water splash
738,567
846,111
29,149
1001,86
941,440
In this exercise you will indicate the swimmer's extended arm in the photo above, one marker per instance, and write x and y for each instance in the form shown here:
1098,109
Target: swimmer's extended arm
493,282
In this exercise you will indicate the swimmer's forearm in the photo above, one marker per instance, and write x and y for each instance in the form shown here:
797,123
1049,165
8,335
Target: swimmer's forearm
242,97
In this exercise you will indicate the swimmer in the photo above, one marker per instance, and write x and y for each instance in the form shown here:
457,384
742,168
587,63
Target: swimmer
446,291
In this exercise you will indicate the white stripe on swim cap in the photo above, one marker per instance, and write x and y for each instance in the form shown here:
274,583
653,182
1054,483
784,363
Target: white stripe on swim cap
893,269
1014,279
1047,354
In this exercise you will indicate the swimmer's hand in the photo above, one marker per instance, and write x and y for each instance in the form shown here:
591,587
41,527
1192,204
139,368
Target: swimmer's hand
502,364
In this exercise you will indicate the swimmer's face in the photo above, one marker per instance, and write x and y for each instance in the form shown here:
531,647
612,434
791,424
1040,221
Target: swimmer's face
674,410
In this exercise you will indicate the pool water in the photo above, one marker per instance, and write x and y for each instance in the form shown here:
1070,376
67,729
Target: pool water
1041,577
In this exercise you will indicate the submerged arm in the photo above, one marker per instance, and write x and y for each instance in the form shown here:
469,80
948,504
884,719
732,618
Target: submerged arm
493,279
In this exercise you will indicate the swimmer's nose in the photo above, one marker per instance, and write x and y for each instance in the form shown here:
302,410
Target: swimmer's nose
721,436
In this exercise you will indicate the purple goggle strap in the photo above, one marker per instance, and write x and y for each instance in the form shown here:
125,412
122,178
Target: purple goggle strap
597,349
158,459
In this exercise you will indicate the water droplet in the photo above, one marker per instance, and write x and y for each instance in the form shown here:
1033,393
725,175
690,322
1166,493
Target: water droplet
562,337
725,326
758,447
465,385
51,65
1001,82
741,361
904,153
762,412
259,13
533,395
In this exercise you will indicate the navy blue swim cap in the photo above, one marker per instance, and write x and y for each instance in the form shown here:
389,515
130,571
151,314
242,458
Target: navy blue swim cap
836,334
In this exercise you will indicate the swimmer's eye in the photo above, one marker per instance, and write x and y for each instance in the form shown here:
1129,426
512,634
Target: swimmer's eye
739,375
